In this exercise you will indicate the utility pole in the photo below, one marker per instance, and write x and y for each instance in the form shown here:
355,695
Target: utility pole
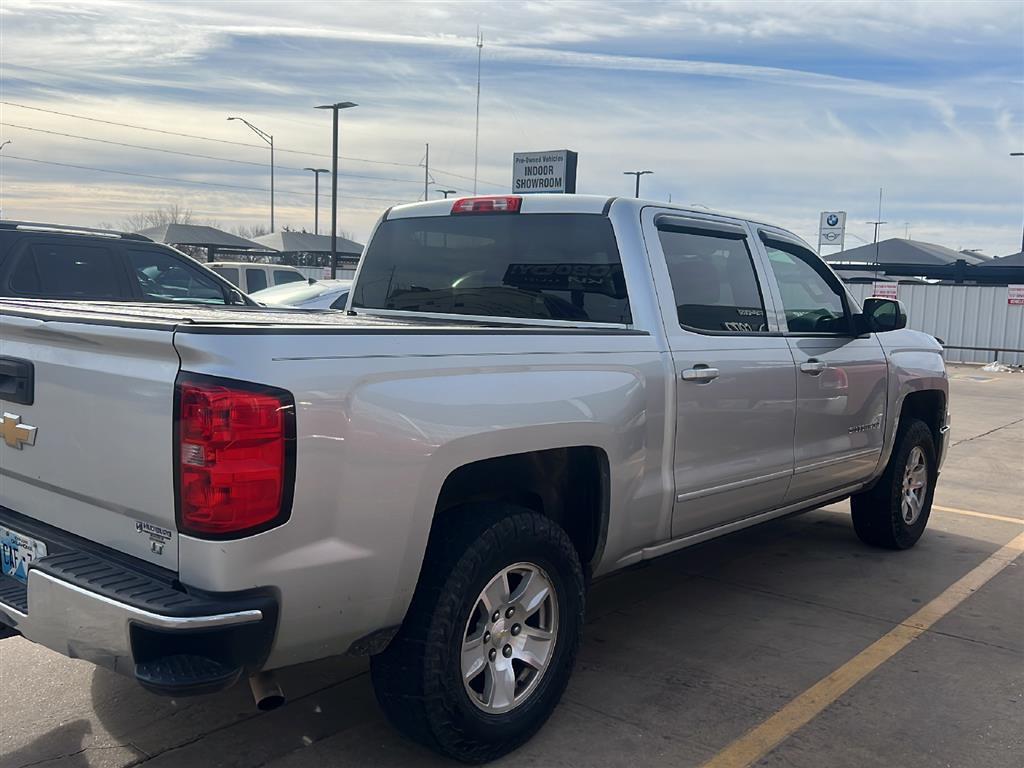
335,108
316,197
426,174
270,140
476,143
638,174
1019,154
877,223
447,192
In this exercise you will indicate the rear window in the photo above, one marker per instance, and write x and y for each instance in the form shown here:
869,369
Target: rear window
543,266
228,273
67,271
255,279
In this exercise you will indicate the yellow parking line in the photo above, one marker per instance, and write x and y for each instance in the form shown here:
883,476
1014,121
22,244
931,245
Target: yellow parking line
986,515
758,742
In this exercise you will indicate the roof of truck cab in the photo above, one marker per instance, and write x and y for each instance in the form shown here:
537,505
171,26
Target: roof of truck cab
558,203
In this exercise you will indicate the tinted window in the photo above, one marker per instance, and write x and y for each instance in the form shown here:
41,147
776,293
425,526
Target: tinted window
228,273
811,296
164,277
548,266
255,280
714,282
286,276
67,271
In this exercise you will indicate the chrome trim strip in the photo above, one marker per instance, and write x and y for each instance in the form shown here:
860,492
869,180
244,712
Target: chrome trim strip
837,460
147,617
732,486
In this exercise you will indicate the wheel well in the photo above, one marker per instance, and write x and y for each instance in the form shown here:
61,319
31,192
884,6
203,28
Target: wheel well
569,485
930,407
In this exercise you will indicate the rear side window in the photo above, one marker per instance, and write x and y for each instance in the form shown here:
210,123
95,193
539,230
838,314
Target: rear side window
714,282
255,280
67,271
161,276
341,301
282,276
542,266
228,273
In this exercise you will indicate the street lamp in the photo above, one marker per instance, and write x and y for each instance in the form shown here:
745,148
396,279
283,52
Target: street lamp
638,174
270,140
447,192
335,108
1019,154
316,196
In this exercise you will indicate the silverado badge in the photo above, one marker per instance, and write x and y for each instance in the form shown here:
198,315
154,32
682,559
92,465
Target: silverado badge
15,433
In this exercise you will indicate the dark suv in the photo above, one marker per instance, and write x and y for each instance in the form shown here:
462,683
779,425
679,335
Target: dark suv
46,261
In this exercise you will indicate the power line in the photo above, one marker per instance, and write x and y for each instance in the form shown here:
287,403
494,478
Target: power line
196,155
178,180
233,143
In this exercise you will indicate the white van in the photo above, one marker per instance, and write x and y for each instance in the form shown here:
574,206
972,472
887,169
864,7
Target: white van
255,277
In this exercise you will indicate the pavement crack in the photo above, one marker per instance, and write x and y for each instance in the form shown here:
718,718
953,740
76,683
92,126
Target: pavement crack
984,434
83,750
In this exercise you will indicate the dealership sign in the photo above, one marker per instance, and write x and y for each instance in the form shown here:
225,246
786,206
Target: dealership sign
884,290
832,229
553,171
1015,295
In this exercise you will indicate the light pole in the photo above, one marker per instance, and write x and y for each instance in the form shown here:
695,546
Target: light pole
1019,154
335,108
270,140
1,175
316,196
638,174
447,192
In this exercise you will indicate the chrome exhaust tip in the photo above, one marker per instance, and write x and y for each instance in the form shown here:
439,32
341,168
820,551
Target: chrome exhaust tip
265,691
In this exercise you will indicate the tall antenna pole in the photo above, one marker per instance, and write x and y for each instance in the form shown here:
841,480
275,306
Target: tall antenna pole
426,174
476,145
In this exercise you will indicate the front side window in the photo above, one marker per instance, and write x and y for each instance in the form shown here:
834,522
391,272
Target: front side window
286,276
163,277
543,266
67,271
811,297
255,280
714,282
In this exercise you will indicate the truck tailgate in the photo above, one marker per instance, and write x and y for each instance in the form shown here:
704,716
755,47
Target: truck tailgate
100,464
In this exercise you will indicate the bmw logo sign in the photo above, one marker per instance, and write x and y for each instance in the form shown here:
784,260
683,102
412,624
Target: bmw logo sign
832,219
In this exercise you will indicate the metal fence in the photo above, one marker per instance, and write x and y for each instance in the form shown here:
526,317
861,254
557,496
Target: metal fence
977,317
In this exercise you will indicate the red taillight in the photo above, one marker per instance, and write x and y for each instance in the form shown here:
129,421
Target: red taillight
497,204
235,456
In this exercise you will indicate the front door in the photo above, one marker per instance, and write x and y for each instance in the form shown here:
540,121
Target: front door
841,377
735,381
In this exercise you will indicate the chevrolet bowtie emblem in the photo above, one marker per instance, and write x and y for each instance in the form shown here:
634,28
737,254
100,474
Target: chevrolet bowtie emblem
16,434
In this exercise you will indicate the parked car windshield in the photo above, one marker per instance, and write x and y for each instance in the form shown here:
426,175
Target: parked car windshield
544,266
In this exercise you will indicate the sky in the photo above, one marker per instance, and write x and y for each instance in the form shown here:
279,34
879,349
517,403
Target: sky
771,110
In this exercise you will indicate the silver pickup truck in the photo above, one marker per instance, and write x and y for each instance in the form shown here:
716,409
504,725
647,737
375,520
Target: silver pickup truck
524,394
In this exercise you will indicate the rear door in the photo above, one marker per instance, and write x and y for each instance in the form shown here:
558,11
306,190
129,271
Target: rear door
735,381
841,376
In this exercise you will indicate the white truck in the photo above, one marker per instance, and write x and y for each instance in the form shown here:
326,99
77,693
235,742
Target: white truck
526,393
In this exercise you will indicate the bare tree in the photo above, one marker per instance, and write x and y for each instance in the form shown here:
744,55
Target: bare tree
168,214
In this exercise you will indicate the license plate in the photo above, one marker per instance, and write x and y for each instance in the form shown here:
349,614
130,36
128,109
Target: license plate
17,551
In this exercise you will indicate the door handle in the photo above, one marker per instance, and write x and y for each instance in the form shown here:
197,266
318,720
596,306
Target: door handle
813,367
700,373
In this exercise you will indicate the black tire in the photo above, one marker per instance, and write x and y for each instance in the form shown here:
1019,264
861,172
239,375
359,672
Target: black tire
418,678
877,513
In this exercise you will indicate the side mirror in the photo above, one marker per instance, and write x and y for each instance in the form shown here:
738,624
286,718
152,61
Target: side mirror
881,315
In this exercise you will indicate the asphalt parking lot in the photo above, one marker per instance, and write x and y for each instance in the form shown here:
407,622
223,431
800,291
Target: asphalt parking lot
824,651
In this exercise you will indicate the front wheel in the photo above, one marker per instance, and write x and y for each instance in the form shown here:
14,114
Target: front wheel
490,639
895,512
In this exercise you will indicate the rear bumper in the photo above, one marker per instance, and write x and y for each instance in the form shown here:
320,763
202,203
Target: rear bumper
86,602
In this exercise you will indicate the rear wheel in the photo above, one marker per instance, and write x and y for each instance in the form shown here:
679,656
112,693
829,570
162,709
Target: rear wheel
895,512
490,639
